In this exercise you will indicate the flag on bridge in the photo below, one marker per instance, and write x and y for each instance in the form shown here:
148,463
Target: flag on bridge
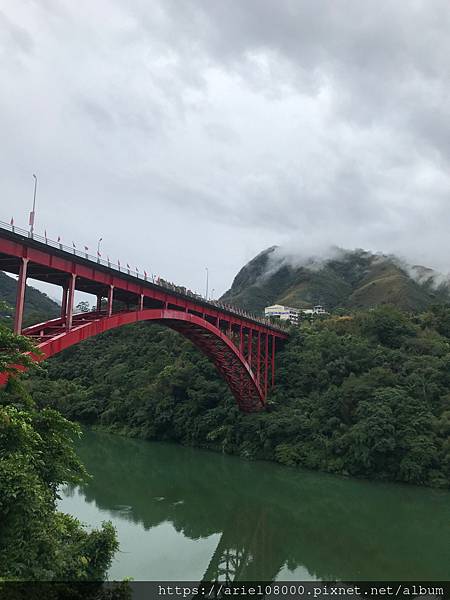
59,239
73,244
12,222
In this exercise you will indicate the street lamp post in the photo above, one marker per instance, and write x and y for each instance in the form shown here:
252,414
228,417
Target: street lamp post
207,281
98,249
34,207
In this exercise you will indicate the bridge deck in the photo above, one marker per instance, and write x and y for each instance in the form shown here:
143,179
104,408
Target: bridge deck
241,345
51,272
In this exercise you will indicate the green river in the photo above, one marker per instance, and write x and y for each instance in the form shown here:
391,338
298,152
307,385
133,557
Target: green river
185,514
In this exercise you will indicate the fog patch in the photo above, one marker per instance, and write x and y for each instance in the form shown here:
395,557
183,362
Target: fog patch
316,258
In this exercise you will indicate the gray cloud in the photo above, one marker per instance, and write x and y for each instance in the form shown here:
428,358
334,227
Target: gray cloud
14,36
199,132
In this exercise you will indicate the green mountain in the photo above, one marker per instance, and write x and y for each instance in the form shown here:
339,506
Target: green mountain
349,279
38,306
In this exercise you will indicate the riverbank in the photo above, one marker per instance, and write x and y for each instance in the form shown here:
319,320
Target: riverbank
246,456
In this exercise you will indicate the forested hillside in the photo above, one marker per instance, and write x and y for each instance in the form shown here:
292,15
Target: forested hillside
38,306
367,396
349,280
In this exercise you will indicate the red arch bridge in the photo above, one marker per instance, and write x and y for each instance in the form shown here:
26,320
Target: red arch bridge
241,346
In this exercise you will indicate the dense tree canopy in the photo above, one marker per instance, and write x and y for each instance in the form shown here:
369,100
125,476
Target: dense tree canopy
365,395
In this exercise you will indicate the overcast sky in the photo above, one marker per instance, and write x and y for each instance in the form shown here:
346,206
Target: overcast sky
194,133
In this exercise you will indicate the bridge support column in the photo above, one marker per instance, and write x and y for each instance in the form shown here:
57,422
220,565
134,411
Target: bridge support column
241,341
141,302
258,358
273,359
64,302
110,300
250,347
266,365
20,298
99,303
70,299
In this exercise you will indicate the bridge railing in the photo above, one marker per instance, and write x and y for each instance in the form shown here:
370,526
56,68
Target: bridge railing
181,290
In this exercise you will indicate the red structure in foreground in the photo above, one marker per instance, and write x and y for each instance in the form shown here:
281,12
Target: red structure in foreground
241,346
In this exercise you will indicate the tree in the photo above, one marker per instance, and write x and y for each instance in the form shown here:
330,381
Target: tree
387,325
82,306
37,457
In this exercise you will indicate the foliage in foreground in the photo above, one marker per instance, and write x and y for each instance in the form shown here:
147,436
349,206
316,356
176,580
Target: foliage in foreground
36,457
367,396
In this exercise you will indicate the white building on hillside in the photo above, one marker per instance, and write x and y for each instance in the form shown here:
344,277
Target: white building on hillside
284,313
316,310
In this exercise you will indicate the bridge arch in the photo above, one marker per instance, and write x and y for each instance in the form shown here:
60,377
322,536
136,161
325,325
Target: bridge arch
209,339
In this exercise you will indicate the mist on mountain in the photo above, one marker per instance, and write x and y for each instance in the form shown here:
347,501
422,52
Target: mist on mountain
335,277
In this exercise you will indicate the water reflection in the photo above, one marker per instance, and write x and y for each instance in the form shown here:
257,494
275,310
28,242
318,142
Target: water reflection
270,521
